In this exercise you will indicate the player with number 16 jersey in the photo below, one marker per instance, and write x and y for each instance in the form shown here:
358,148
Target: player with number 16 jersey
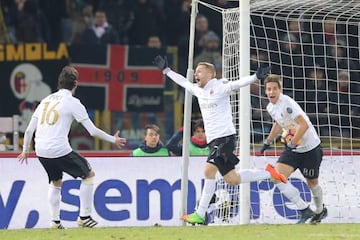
60,109
52,121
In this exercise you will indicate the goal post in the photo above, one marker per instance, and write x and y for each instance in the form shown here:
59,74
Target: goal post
236,55
244,107
187,115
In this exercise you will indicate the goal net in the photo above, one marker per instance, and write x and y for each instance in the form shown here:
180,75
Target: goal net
314,46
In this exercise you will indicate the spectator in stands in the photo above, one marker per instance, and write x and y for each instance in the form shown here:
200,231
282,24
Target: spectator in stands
198,145
211,53
292,63
182,41
56,15
12,17
201,29
338,60
295,29
214,17
329,28
30,22
81,20
314,100
7,35
177,14
148,20
151,146
344,107
101,32
316,95
120,15
325,36
154,41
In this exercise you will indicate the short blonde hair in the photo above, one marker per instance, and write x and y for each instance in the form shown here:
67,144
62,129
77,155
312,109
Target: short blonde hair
208,66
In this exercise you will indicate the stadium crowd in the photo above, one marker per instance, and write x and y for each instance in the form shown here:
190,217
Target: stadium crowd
161,23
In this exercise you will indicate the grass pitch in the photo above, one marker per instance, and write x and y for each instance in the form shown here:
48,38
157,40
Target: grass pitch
243,232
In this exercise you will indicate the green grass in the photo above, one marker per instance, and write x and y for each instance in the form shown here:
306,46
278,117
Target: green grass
240,232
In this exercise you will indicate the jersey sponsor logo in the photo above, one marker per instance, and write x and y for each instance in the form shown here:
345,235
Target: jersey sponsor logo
208,105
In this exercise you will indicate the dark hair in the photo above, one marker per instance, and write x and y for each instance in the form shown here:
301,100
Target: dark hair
153,127
197,124
67,78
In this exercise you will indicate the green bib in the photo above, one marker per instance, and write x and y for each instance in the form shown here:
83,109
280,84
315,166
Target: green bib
198,151
140,153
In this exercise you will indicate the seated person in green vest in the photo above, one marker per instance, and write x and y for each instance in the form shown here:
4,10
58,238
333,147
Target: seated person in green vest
151,146
198,145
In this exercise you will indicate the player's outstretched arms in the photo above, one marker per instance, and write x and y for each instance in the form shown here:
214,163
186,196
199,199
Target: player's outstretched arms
162,63
119,142
262,72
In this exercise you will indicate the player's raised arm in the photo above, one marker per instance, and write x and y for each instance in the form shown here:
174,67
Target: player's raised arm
162,64
262,72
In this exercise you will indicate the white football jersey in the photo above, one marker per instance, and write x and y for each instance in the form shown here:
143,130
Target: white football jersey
55,114
284,112
214,102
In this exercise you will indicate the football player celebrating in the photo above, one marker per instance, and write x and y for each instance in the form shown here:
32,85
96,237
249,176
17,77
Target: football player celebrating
214,101
302,149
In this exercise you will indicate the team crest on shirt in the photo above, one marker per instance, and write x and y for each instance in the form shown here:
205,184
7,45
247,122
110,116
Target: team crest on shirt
289,110
211,91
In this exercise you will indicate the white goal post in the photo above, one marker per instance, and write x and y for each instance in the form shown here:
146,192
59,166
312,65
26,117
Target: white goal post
314,46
